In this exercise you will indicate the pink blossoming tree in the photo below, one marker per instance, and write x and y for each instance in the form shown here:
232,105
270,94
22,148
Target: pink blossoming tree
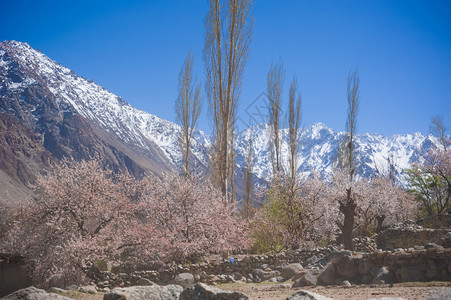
316,212
194,217
84,215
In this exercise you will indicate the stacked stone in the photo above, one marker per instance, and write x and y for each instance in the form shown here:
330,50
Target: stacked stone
428,263
409,234
365,244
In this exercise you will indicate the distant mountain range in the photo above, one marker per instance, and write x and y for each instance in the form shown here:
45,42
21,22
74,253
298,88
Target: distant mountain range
47,112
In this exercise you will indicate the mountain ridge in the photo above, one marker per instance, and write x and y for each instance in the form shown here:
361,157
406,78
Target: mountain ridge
40,93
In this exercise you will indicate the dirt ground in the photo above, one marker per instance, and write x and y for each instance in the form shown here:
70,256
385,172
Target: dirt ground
411,290
277,291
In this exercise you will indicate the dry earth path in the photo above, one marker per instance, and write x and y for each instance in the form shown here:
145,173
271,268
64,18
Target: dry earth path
276,291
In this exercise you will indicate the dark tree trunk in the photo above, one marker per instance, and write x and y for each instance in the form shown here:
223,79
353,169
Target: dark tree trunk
347,208
380,220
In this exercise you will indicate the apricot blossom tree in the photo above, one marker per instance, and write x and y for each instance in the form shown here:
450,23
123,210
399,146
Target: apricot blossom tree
315,213
194,217
378,202
81,215
383,204
85,214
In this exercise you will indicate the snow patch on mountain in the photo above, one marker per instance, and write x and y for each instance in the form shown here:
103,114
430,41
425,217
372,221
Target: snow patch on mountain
317,151
95,103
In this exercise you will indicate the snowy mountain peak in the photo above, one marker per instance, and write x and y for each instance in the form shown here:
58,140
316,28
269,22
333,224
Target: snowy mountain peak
143,131
108,111
318,130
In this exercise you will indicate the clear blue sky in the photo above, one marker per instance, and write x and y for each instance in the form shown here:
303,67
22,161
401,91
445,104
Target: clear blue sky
136,48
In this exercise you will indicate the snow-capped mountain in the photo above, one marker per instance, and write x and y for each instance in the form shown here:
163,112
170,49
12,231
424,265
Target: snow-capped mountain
93,102
73,115
318,151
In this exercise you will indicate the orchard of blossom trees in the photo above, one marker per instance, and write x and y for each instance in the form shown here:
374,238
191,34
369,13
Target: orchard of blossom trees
84,215
313,214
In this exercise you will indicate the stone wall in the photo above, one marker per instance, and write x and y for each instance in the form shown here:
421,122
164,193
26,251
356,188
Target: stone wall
244,265
436,222
331,267
433,264
327,265
408,234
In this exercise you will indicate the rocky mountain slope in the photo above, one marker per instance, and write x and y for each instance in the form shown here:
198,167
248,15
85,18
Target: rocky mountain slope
46,98
73,116
23,157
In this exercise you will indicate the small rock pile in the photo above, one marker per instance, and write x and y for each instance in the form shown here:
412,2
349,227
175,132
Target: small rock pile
365,244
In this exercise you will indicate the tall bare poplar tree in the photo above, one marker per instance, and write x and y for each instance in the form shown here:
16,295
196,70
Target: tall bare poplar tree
187,107
227,40
353,97
248,204
275,79
347,157
294,123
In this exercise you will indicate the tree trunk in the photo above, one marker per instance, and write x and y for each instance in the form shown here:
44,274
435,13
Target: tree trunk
348,210
380,220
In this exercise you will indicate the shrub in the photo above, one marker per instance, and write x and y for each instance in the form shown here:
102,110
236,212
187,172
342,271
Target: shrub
291,216
430,183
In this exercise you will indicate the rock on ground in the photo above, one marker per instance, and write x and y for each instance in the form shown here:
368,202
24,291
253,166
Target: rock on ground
440,293
184,279
306,295
89,289
201,291
289,270
32,293
364,267
327,275
154,292
382,275
306,279
346,267
263,275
